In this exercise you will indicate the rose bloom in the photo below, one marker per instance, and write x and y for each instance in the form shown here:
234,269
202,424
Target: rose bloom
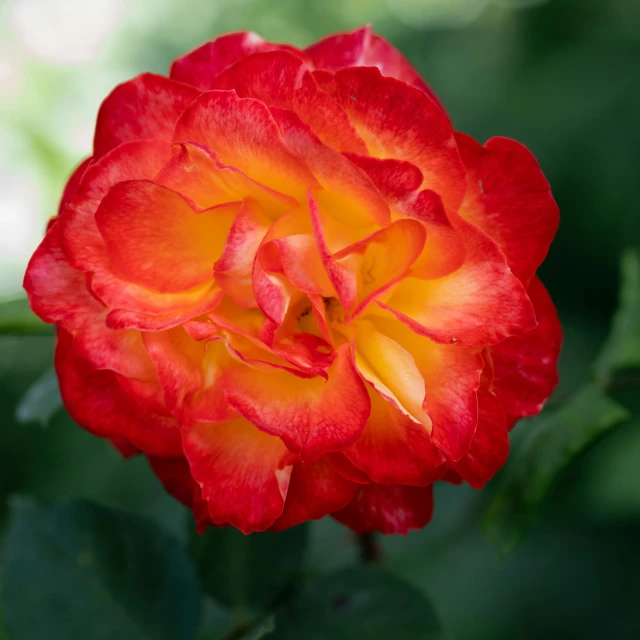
284,278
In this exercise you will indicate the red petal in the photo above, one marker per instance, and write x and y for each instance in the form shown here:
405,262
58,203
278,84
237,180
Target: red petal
315,490
480,303
312,416
398,121
243,472
143,108
280,79
243,133
202,66
80,237
72,184
393,449
388,508
526,366
509,198
362,48
175,475
98,403
155,239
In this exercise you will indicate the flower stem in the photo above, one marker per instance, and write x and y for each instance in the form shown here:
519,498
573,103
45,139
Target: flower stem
370,549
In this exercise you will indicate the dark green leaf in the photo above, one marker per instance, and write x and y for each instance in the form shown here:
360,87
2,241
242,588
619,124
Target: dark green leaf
77,570
364,603
550,447
622,348
249,571
16,317
41,401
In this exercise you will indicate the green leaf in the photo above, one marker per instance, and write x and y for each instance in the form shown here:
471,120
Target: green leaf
265,628
41,401
555,441
16,317
248,571
77,570
622,348
364,603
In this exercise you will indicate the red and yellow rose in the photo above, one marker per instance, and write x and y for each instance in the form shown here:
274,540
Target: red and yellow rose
285,279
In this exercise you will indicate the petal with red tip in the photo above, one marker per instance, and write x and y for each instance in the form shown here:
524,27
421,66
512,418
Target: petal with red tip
244,473
202,66
401,122
480,303
146,107
315,490
81,240
98,403
362,48
312,416
388,508
393,449
526,366
509,198
280,79
244,135
155,239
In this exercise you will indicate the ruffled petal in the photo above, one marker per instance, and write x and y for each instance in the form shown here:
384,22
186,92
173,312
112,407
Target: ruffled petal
98,403
315,490
526,367
388,508
244,473
311,415
146,107
509,198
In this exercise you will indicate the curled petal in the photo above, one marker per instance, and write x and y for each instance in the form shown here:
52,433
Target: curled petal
244,135
315,490
244,473
394,449
526,370
146,107
398,121
202,66
98,403
480,303
281,79
388,508
155,239
509,198
363,48
312,416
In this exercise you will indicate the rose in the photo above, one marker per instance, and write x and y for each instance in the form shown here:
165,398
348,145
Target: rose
286,280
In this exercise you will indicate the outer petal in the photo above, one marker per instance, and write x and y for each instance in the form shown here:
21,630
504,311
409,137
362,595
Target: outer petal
146,107
480,303
244,135
509,198
393,449
96,401
388,508
155,239
526,366
72,184
175,475
312,416
281,79
202,66
315,490
81,240
362,48
243,472
398,121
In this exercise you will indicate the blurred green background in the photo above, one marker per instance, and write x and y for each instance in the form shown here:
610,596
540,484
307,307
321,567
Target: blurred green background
561,76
